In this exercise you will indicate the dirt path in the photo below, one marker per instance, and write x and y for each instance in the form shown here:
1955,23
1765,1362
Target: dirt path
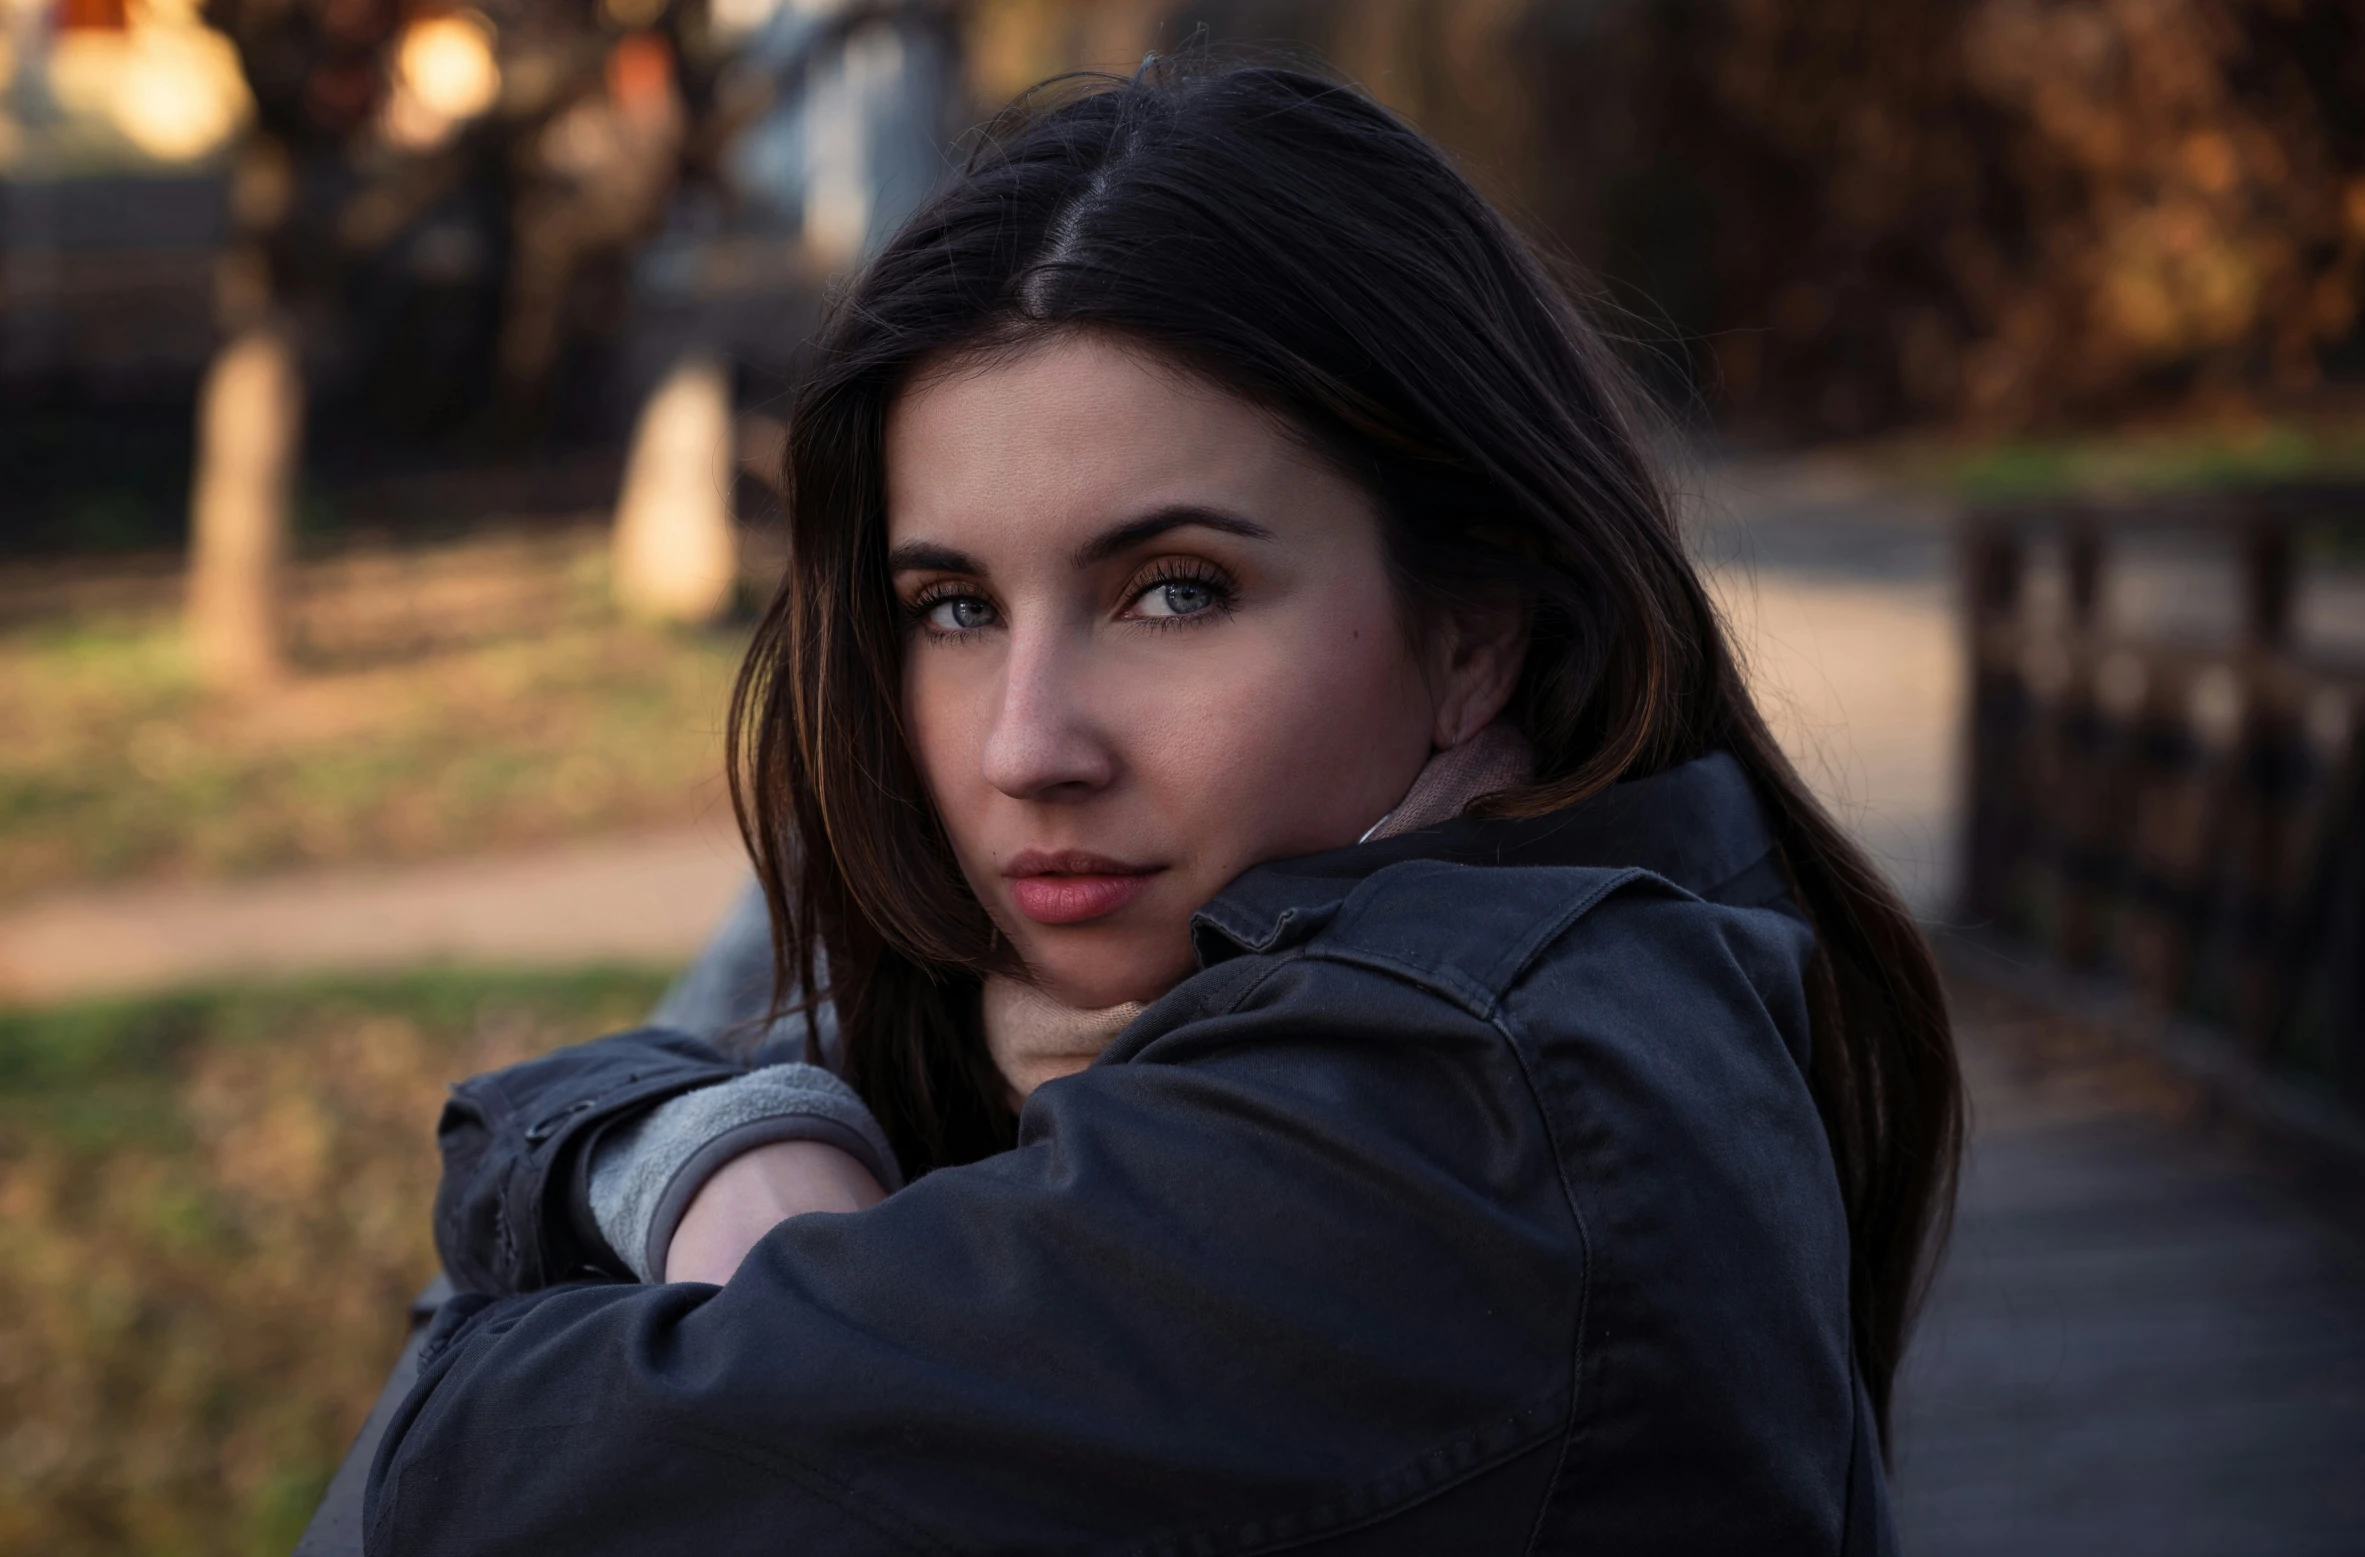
1840,596
643,899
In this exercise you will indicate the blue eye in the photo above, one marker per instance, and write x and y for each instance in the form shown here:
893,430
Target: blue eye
959,614
1176,597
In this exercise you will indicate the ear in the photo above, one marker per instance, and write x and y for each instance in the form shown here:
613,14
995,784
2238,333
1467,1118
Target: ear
1480,652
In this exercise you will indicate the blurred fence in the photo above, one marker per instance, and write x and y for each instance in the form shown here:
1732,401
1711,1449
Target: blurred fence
2184,810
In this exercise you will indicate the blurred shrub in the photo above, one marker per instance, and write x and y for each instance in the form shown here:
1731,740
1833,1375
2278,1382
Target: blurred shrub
2022,212
213,1213
1851,214
2122,464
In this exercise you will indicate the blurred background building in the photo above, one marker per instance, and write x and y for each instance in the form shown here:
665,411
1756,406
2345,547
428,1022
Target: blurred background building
389,420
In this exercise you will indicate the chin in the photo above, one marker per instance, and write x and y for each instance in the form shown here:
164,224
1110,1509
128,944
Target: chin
1101,970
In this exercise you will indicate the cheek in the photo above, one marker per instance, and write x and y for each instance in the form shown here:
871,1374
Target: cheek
1296,736
943,713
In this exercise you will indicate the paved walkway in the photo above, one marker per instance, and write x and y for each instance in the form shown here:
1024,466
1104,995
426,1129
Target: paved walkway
2150,1337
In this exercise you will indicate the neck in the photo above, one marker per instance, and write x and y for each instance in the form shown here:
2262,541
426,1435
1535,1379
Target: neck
1034,1038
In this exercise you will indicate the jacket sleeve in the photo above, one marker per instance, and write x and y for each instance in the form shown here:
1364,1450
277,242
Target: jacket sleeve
645,1172
512,1213
1268,1279
645,1117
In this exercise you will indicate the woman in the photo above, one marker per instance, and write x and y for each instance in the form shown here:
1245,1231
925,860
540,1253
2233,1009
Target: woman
1373,1048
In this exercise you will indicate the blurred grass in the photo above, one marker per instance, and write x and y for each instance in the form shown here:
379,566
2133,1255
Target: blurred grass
213,1211
2139,461
119,766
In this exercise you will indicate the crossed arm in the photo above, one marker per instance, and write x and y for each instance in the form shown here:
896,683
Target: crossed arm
1234,1285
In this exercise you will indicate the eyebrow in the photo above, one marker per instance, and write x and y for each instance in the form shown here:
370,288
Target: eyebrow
1136,532
929,557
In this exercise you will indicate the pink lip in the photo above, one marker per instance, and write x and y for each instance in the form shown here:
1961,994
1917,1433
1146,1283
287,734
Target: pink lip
1072,887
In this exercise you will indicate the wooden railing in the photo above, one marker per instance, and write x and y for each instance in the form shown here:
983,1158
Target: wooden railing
2185,813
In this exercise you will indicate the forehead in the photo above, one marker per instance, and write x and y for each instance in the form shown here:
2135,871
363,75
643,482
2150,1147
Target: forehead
1076,431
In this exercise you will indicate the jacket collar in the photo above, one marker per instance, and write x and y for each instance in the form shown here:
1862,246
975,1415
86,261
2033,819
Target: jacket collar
1699,825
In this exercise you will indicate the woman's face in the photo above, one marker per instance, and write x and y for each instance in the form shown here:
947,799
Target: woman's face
1151,641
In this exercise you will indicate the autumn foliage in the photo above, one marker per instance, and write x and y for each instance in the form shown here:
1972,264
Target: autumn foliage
1846,215
2015,212
213,1215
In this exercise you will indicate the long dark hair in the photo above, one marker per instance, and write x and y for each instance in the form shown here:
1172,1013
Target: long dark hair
1290,240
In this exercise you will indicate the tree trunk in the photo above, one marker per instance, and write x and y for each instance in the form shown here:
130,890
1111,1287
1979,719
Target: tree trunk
250,420
676,559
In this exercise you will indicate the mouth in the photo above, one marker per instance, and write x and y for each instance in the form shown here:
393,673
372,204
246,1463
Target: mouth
1072,887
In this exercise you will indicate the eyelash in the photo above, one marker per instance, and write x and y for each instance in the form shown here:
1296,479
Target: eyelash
1223,593
933,595
1173,570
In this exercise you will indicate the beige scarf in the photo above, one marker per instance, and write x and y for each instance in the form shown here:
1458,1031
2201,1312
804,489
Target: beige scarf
1033,1038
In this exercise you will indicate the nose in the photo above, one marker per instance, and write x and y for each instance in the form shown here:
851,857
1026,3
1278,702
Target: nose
1045,744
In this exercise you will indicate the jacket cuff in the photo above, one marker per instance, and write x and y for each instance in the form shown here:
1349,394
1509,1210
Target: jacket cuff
644,1173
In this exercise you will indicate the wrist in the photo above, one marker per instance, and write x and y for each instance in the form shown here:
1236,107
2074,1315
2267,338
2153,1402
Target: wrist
756,1191
644,1175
